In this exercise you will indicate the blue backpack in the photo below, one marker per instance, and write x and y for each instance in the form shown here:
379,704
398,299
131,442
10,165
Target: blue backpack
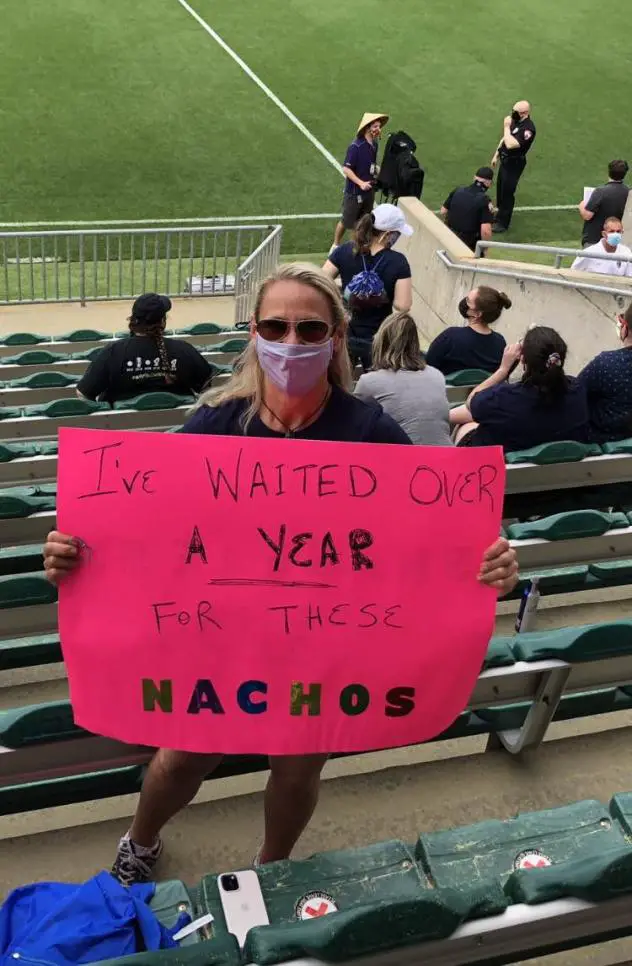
366,288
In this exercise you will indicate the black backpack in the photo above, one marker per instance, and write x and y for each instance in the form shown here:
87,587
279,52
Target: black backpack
401,175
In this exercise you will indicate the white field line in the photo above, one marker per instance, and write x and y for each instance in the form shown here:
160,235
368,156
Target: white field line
264,87
270,219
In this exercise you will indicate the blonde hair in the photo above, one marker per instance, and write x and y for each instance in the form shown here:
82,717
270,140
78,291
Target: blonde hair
396,344
246,381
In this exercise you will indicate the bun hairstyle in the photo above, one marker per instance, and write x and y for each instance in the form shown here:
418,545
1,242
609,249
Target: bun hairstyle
490,303
543,356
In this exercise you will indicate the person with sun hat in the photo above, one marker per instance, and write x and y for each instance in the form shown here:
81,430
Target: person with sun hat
360,170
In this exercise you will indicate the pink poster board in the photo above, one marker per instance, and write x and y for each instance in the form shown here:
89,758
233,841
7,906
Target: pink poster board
274,596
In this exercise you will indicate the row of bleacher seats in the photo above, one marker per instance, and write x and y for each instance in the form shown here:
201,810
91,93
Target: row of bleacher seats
451,890
526,682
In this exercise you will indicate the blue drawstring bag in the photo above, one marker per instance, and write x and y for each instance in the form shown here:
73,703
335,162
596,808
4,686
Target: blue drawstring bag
366,288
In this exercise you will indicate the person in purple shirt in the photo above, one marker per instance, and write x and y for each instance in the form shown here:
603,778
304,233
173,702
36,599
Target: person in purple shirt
360,170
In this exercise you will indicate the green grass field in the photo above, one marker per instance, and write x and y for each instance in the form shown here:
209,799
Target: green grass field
125,109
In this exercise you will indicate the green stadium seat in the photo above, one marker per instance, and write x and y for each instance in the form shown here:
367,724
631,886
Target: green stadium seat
26,590
23,559
565,451
594,878
202,328
557,580
35,358
87,787
88,355
21,501
618,446
489,852
467,377
83,335
154,400
368,928
21,652
499,653
612,571
10,412
24,338
575,645
43,380
15,451
66,407
221,950
37,723
230,345
568,526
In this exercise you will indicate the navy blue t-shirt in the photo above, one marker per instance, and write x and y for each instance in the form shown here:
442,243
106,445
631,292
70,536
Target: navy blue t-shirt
515,417
389,265
608,383
462,347
361,157
344,419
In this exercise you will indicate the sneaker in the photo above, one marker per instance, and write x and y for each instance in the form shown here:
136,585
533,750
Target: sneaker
135,863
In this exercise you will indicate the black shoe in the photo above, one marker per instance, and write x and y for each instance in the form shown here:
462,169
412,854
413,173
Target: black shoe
497,228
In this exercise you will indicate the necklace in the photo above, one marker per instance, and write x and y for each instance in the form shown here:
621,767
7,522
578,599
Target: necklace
291,431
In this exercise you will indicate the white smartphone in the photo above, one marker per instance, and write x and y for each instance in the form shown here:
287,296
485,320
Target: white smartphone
242,902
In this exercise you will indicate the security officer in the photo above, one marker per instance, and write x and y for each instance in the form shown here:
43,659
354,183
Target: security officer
468,211
518,136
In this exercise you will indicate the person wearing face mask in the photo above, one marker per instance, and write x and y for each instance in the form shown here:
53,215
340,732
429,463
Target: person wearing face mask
468,210
516,142
293,381
610,244
608,382
370,254
360,170
607,201
474,345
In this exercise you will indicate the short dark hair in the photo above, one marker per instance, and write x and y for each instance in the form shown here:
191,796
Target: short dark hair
617,170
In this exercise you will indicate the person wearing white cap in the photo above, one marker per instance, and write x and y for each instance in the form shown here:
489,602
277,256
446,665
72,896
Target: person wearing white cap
360,170
375,279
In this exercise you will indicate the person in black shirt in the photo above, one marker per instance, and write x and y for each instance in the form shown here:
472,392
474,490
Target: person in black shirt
475,345
607,201
294,382
145,361
518,136
371,251
544,406
468,211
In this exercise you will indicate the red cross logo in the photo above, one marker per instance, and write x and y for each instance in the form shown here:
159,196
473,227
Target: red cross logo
320,910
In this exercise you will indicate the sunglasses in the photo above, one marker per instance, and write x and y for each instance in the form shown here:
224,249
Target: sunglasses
309,331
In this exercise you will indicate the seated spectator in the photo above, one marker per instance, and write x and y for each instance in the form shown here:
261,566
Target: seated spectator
546,404
410,391
370,252
145,361
475,345
608,384
610,244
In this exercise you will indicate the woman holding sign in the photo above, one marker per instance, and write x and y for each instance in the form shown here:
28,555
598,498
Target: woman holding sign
293,380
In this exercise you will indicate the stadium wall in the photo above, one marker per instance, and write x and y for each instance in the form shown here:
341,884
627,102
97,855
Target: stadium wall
585,319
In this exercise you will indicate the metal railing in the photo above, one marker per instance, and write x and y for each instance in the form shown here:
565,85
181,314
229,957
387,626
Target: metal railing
485,267
555,250
103,264
259,263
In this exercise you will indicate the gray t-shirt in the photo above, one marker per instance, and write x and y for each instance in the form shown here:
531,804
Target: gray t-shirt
416,400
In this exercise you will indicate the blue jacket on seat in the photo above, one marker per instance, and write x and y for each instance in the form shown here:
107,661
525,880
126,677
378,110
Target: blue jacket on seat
56,924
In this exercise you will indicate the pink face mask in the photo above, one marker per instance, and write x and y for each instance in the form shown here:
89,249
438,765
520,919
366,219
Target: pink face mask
295,369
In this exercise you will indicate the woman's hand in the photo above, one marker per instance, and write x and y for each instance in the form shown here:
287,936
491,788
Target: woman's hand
511,355
61,555
499,567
